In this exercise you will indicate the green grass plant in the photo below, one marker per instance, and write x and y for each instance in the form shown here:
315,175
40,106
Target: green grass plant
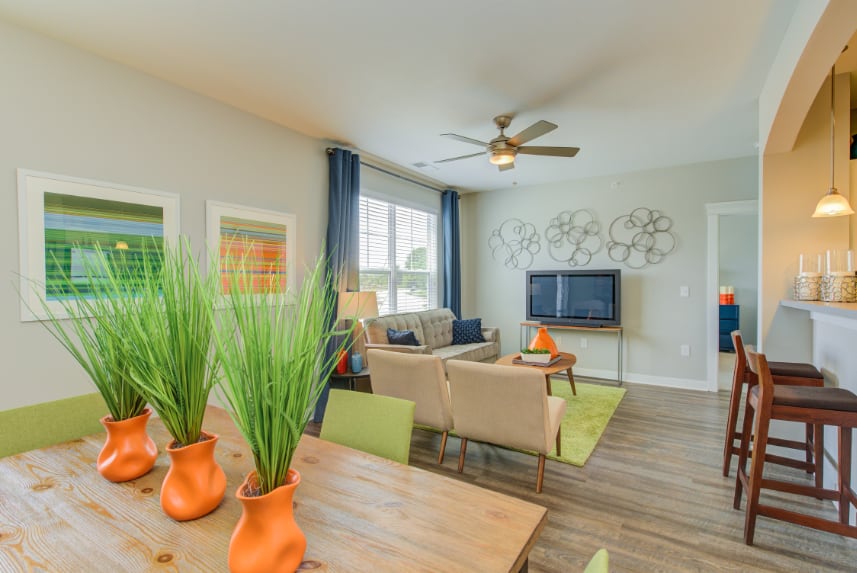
97,332
535,351
274,354
174,364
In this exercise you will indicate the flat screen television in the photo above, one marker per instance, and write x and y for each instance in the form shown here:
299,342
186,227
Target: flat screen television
576,298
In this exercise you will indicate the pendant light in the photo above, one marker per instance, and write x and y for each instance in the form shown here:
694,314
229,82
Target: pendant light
832,204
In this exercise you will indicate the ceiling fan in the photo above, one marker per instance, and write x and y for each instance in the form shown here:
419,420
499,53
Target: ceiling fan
503,149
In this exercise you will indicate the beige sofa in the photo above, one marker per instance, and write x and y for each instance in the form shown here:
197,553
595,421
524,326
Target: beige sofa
433,329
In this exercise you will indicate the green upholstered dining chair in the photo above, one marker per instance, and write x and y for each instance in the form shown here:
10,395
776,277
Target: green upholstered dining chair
378,425
600,563
40,425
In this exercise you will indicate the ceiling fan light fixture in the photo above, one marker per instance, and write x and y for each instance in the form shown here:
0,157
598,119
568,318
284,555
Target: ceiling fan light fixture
502,156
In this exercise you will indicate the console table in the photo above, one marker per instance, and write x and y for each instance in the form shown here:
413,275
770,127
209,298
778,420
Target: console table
527,325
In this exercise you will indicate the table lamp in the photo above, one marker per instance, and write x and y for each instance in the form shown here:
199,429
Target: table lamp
357,306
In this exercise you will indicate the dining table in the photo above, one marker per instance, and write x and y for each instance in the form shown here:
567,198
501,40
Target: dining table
359,512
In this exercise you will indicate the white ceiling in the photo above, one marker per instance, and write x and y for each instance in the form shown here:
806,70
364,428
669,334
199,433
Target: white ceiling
636,84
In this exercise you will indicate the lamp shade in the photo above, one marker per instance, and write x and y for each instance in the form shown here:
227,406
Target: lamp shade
833,205
357,305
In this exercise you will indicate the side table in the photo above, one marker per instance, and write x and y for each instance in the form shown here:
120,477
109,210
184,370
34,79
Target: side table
349,378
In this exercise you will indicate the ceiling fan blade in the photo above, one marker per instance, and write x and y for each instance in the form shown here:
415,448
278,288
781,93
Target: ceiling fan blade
536,130
506,167
463,139
553,151
462,157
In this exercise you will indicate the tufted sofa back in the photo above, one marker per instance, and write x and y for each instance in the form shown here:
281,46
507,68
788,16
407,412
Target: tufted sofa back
431,327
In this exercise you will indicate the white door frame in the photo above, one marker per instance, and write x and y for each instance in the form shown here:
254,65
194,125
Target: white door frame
712,283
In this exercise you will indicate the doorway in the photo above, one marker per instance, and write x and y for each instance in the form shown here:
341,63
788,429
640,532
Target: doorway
733,246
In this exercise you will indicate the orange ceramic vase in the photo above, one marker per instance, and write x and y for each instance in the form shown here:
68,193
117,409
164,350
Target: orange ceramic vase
195,483
128,452
267,539
543,340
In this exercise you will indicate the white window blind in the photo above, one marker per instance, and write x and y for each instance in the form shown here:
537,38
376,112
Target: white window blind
398,255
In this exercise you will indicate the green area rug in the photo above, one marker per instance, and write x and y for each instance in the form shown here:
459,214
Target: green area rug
585,419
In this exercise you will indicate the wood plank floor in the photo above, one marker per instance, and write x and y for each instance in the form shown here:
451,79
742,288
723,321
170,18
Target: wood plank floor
651,493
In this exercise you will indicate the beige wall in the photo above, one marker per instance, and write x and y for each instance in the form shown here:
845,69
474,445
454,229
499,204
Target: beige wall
65,111
656,319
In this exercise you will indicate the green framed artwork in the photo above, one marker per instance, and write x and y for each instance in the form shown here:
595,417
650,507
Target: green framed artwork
264,240
63,219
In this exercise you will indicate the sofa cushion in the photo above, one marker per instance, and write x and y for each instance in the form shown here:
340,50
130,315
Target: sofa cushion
476,352
406,337
376,328
436,326
467,331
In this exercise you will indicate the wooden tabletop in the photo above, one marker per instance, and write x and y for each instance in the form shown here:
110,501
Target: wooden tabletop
566,361
358,512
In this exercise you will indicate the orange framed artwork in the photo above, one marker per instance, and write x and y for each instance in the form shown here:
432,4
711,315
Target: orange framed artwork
259,242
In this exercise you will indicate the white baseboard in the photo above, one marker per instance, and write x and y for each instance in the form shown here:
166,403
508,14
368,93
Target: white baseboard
684,383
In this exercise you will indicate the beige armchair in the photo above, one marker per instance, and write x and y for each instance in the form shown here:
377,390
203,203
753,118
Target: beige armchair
504,405
419,378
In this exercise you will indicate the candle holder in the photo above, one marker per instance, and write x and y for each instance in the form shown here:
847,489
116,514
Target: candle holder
839,283
807,283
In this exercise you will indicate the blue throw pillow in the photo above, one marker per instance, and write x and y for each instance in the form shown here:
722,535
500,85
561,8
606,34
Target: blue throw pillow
406,337
467,331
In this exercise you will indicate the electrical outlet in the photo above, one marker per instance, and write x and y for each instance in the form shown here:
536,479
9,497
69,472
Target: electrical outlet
584,343
685,349
558,339
684,291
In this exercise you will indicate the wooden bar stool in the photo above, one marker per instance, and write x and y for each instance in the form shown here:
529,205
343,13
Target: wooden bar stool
819,406
787,373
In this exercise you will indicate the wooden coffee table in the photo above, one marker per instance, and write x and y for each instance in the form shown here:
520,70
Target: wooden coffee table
566,362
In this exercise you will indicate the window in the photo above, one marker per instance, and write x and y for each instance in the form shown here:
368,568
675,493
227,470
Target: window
398,255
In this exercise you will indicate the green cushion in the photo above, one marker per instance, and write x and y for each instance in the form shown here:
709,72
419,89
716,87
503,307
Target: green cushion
599,563
40,425
379,425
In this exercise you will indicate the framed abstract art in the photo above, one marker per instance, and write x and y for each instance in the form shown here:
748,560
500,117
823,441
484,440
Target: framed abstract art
262,242
62,220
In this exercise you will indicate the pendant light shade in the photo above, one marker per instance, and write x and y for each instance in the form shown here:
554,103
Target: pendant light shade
833,204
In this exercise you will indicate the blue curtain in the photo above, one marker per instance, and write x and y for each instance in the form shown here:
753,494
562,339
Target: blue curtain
451,252
343,226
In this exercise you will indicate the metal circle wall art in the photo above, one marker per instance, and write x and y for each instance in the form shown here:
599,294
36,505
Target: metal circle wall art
573,237
516,242
642,237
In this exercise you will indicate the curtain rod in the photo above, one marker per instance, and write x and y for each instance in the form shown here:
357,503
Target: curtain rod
393,174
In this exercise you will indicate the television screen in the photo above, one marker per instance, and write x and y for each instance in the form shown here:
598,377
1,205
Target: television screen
588,298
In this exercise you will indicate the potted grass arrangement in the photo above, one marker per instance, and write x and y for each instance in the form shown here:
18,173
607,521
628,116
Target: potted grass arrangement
100,308
273,358
174,367
540,356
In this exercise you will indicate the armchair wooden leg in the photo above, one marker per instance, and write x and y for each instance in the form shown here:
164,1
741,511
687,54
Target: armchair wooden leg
559,442
461,455
541,477
443,438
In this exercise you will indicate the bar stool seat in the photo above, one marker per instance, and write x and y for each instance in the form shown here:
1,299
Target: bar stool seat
818,406
837,399
784,371
791,374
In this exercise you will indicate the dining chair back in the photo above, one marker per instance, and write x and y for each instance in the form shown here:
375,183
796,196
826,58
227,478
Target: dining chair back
378,425
30,427
419,378
507,406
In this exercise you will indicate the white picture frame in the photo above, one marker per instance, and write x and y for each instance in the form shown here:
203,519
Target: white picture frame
272,234
64,214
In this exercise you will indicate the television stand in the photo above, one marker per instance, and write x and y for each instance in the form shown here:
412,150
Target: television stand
524,337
